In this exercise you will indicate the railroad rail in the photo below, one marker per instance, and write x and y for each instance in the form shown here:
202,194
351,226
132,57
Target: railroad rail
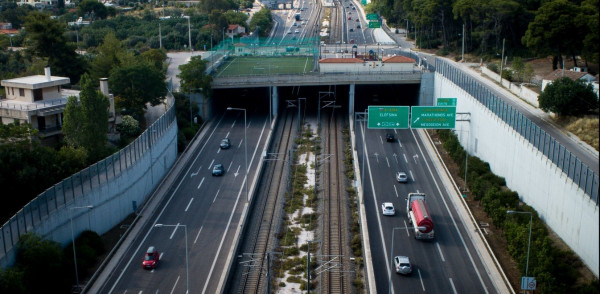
268,210
335,250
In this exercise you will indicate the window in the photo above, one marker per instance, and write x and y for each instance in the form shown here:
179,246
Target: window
21,92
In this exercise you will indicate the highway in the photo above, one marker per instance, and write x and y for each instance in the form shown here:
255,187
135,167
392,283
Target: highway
447,264
209,207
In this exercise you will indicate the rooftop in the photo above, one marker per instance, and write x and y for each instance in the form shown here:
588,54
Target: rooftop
36,82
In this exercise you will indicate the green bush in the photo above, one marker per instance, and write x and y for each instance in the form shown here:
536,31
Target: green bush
493,67
507,74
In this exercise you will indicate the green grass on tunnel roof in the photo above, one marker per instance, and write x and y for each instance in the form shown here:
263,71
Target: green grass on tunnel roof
257,66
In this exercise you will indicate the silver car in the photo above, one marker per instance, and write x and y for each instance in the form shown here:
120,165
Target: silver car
401,177
402,265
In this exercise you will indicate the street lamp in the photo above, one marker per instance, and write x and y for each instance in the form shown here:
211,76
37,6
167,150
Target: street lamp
392,252
245,147
529,241
187,265
73,240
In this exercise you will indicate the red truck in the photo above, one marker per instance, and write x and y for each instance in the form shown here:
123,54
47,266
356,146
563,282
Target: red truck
419,217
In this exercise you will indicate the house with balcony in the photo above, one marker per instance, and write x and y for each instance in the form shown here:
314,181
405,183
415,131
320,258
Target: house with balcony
37,100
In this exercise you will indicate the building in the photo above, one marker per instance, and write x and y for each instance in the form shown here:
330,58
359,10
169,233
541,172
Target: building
40,100
234,30
387,64
574,74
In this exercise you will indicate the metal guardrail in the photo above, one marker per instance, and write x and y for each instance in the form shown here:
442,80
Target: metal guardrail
564,159
8,104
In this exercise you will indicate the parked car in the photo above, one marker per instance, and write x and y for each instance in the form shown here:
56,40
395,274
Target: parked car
402,265
389,137
401,177
387,208
225,143
151,258
218,170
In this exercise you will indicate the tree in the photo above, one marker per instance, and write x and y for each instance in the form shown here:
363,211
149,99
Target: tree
263,20
43,264
110,53
46,40
86,121
136,85
567,97
194,78
556,31
92,8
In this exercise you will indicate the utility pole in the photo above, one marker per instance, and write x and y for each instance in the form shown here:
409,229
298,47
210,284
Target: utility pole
463,44
502,61
159,36
190,35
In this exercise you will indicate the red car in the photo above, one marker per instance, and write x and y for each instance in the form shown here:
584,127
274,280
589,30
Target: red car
150,258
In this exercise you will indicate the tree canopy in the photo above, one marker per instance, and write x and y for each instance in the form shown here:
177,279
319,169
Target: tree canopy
568,97
193,76
263,20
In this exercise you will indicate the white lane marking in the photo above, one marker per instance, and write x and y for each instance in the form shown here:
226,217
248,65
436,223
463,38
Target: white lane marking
227,136
406,227
440,250
194,174
237,172
188,206
216,196
248,126
388,161
237,200
399,143
229,167
452,218
201,183
405,160
395,191
211,163
174,230
381,139
198,234
421,278
233,124
161,255
415,157
411,175
452,284
240,145
135,256
175,285
218,150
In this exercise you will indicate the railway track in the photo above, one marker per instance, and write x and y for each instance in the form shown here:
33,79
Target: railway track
336,212
336,24
268,210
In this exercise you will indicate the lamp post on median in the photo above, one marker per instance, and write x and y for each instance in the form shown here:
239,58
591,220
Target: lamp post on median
529,241
392,251
73,240
245,147
187,265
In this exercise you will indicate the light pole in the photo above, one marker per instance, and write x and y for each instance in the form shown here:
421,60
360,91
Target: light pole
187,265
463,44
73,239
245,147
529,241
223,33
308,264
392,251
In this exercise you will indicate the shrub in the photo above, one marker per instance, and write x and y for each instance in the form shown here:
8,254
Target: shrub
507,74
493,67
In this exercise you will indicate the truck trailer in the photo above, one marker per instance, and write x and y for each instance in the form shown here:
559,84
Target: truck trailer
419,217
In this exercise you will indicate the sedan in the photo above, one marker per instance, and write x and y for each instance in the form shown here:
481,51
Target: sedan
389,137
225,143
388,208
401,177
402,265
218,170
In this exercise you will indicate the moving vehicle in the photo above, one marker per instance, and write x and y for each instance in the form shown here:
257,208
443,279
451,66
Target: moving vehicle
351,29
387,208
401,177
389,137
297,16
225,143
218,170
419,217
151,258
402,265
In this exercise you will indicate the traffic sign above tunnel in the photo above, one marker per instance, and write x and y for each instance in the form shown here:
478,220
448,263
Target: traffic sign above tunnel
388,117
433,117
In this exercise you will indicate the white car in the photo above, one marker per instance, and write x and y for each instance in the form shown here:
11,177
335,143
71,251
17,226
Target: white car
402,265
401,177
388,208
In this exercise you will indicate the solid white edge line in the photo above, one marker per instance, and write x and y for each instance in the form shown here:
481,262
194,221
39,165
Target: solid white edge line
437,186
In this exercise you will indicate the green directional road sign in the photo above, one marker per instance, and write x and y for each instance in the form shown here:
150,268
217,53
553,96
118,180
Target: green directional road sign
388,117
446,102
374,24
372,16
433,117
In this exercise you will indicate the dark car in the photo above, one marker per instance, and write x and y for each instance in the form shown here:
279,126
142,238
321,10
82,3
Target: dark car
358,26
351,29
218,170
225,143
389,137
151,258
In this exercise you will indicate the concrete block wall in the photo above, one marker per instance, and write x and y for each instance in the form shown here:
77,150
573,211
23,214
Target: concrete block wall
561,204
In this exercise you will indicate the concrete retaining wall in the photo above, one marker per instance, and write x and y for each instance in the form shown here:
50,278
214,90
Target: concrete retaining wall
540,183
521,91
